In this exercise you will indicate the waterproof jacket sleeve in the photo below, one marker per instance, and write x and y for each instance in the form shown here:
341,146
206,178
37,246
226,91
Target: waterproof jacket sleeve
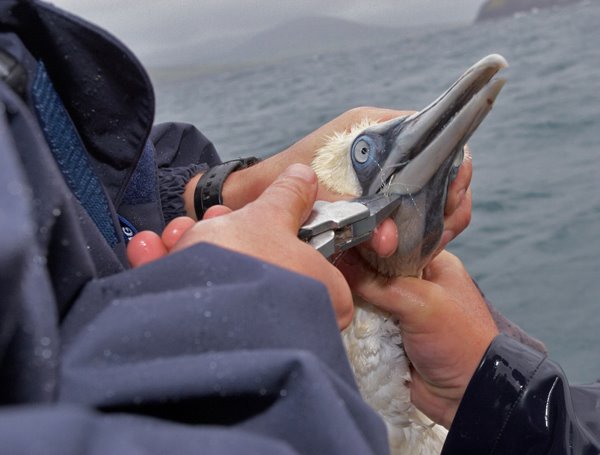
215,345
519,401
204,351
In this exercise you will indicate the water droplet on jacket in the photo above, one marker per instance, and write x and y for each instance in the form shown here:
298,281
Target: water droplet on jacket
14,188
39,260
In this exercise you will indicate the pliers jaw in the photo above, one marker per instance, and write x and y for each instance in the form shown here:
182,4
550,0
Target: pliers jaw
334,227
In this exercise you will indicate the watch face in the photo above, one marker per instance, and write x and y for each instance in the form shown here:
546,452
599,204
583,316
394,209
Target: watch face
210,186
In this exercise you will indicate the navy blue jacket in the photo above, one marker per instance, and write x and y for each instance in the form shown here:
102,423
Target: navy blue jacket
520,402
206,350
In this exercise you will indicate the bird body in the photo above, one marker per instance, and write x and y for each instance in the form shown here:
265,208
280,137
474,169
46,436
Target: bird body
381,368
372,340
414,156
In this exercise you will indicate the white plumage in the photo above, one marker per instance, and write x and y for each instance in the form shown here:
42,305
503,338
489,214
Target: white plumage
373,340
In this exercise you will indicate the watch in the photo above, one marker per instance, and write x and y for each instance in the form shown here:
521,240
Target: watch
210,186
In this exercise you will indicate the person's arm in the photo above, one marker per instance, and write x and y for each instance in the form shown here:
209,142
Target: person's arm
519,401
178,144
495,394
206,349
183,154
245,185
207,335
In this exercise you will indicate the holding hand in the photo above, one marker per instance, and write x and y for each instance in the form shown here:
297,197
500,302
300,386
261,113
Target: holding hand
445,325
267,229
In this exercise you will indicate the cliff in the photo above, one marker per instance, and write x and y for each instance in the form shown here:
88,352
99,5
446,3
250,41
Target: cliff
493,9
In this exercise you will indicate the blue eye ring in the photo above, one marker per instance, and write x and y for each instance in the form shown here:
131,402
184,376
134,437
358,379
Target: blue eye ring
363,149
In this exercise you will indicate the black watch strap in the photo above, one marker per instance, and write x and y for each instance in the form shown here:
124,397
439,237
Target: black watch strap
209,190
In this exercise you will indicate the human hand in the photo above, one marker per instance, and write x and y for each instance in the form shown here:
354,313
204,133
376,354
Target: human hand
267,229
457,213
445,325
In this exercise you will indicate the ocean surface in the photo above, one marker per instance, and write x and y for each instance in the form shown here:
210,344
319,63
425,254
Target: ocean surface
533,244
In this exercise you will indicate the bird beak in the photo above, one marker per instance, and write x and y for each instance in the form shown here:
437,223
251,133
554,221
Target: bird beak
422,144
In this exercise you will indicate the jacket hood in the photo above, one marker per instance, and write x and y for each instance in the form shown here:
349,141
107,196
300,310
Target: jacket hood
103,86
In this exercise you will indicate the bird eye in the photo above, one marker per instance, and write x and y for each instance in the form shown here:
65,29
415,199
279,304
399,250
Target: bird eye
361,151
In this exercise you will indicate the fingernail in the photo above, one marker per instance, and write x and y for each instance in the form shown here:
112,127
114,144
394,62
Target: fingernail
301,171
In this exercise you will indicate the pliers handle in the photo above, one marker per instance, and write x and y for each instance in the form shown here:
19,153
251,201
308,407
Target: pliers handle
334,227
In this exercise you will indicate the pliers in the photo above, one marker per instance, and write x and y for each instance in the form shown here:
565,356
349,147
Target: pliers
334,227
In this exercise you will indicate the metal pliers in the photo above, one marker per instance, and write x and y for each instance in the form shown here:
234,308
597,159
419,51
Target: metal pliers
334,227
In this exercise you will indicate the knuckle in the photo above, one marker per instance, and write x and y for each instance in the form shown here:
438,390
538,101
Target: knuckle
295,189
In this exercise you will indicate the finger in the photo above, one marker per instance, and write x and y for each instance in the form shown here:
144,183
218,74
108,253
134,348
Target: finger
448,272
457,222
175,229
385,239
445,270
461,217
215,211
460,184
145,247
289,199
358,274
412,300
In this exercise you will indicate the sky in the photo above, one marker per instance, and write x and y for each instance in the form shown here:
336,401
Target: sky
150,27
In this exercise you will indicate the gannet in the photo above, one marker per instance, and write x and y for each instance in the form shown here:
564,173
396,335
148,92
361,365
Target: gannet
415,156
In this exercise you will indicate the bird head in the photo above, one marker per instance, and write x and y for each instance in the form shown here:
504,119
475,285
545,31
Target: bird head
415,156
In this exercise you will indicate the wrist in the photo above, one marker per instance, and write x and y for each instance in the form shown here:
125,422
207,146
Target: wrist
227,184
244,186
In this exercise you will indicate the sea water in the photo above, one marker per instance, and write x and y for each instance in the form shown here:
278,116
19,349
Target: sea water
533,244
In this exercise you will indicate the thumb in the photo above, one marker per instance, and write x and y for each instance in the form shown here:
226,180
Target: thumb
414,301
290,198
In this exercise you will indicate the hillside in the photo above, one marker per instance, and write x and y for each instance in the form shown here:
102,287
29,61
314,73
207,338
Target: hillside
309,35
304,36
493,9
